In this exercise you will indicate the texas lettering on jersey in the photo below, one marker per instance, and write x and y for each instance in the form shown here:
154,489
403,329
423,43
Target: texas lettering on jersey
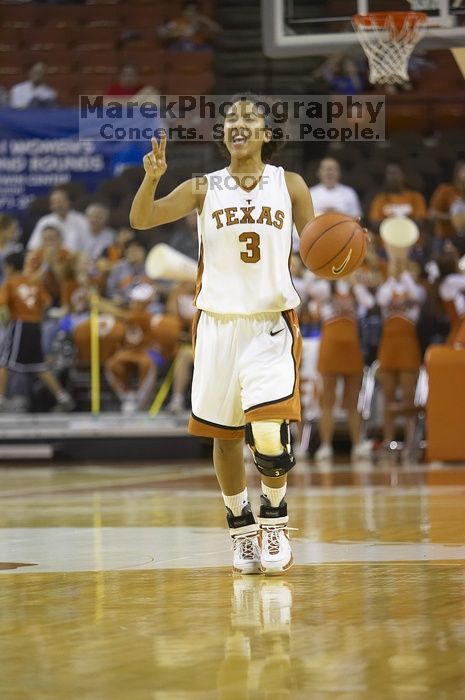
245,244
231,216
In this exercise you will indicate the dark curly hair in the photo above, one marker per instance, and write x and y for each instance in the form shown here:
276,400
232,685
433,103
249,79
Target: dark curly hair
272,147
15,260
6,220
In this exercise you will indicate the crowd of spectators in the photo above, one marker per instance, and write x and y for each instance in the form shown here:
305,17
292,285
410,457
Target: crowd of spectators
144,324
73,253
70,256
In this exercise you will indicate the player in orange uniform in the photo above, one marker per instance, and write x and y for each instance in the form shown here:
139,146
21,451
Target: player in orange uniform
134,351
50,263
24,300
247,339
396,199
75,298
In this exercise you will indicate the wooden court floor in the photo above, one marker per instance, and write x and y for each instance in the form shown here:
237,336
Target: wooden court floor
115,583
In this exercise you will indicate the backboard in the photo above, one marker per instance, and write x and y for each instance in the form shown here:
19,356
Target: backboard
300,28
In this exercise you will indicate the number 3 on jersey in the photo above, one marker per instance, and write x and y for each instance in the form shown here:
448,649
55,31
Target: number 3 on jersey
252,254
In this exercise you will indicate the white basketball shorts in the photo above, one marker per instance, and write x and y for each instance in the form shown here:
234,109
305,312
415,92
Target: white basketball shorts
246,368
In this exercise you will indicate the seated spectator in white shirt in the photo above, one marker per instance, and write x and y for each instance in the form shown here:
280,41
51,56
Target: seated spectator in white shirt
99,236
329,195
33,92
127,273
73,224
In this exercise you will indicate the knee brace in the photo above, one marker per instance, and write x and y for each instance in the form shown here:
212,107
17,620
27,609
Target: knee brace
265,439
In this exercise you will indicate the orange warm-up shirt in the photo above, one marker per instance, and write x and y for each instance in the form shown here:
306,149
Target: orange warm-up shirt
441,199
34,261
75,296
406,203
137,334
26,300
114,253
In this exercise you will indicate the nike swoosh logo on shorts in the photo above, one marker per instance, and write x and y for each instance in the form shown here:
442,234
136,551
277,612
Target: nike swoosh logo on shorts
276,332
343,265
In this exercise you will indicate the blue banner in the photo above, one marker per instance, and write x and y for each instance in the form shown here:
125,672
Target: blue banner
41,148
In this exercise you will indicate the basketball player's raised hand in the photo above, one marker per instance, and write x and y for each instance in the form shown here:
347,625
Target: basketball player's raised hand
155,161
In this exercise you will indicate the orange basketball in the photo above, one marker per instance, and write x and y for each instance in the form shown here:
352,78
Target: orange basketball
332,245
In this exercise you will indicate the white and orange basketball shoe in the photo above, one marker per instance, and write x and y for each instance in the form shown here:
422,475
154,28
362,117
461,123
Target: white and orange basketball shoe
276,553
244,532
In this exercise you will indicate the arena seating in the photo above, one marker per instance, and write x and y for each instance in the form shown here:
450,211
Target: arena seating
88,44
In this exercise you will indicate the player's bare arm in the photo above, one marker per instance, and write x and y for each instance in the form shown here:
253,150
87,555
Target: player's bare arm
106,306
4,312
302,206
147,211
437,214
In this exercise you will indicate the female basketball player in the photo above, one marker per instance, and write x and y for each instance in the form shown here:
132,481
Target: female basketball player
246,334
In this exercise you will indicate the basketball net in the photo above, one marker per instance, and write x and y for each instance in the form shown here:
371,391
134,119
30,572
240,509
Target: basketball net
423,5
388,39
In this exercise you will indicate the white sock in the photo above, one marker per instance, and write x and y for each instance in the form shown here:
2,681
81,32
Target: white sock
237,502
275,496
62,396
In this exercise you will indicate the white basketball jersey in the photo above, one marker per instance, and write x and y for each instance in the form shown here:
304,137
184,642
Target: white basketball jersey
245,240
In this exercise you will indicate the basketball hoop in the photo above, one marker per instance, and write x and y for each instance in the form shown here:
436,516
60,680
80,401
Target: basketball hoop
388,39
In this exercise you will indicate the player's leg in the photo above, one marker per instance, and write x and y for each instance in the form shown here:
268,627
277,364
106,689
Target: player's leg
271,398
408,382
30,356
276,551
217,413
3,385
352,384
228,460
270,444
64,399
182,375
116,371
388,381
5,354
326,422
147,376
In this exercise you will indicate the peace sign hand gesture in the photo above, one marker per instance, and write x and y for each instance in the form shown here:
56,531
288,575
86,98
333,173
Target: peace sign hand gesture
155,161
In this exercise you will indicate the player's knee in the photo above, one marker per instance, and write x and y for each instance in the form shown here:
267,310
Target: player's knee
270,444
110,364
267,436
